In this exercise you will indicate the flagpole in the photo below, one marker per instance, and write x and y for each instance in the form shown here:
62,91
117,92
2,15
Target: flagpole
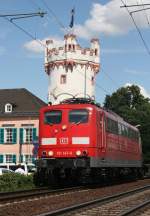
71,25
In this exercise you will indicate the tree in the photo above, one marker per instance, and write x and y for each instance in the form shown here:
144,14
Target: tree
129,103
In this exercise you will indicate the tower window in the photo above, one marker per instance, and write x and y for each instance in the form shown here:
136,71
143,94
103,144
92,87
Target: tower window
63,79
92,80
69,46
96,52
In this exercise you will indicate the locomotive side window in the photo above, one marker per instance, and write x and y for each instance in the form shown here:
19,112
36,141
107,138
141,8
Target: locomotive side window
52,117
78,116
112,126
133,134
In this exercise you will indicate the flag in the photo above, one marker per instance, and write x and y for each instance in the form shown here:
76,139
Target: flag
72,18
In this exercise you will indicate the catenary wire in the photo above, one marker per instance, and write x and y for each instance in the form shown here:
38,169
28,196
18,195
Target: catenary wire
53,14
110,78
34,38
25,31
61,25
147,18
137,28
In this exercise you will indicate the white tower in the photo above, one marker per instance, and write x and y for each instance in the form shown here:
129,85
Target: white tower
71,69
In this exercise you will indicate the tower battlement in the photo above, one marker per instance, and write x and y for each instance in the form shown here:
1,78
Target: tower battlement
70,63
72,51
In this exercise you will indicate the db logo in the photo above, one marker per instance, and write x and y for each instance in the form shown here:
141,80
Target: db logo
63,140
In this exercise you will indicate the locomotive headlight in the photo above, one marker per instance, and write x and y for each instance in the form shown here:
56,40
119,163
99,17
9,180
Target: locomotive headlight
64,127
78,153
50,153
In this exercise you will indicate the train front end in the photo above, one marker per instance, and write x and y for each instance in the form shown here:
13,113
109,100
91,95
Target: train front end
67,141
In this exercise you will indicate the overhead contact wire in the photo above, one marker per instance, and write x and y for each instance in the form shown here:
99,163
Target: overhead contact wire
137,28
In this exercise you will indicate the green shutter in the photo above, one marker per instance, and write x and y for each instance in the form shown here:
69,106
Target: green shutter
1,135
21,158
1,158
33,160
14,158
21,135
14,135
34,134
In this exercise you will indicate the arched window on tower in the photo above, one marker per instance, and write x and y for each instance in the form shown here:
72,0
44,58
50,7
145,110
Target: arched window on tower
73,47
63,79
69,48
96,52
92,80
65,47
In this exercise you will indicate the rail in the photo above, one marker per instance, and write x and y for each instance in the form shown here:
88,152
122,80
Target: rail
100,201
9,196
135,209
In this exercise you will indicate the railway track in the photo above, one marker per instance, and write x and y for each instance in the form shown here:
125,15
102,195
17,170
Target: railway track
60,199
26,194
121,204
141,209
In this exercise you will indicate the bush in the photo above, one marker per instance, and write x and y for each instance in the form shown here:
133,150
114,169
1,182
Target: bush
14,181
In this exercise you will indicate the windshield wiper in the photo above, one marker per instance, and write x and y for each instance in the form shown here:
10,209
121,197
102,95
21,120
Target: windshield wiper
49,123
77,123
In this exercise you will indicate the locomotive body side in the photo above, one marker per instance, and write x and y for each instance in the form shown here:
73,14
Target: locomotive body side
83,141
123,145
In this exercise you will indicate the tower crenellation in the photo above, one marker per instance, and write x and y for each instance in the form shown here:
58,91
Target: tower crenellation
70,63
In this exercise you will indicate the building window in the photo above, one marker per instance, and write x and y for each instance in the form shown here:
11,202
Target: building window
27,159
63,79
10,158
10,135
8,108
27,135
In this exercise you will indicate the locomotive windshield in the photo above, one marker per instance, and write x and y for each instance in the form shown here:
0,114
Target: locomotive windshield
53,117
78,116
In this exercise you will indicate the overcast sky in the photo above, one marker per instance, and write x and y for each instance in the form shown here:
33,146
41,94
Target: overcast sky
124,59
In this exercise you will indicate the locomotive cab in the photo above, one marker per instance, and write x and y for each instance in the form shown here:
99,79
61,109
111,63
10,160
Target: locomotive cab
67,132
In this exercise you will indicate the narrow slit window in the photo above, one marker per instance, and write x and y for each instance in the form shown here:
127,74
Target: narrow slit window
63,79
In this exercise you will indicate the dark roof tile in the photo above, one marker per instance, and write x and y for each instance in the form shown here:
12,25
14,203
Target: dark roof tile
24,102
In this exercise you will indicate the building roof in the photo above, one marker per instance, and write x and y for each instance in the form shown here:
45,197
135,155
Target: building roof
23,102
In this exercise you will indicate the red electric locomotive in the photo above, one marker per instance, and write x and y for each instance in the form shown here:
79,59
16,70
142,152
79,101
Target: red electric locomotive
79,140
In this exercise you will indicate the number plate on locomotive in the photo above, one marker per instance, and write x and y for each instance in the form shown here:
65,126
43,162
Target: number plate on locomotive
64,153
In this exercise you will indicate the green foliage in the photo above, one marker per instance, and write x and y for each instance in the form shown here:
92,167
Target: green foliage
130,104
14,181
